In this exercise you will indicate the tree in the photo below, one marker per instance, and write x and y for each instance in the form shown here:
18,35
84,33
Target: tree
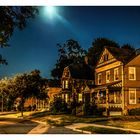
97,47
128,47
7,99
68,53
28,85
12,17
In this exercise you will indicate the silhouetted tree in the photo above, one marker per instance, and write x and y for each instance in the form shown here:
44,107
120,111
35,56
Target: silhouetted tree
11,18
70,52
97,47
128,47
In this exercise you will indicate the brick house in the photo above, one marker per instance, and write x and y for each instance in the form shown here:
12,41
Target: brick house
117,80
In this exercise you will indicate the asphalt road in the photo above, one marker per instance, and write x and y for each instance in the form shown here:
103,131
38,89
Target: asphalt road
19,126
16,126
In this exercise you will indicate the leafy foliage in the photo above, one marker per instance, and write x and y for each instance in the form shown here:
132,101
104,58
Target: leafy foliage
97,47
12,17
70,52
58,105
23,86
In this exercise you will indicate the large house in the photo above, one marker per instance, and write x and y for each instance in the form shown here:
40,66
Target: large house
117,79
77,81
117,82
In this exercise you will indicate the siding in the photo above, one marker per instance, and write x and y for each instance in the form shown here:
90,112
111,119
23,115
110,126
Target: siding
132,83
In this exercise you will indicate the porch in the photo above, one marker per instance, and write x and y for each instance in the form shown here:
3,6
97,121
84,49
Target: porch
109,98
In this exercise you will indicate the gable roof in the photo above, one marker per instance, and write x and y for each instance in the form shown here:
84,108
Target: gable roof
134,55
81,71
121,54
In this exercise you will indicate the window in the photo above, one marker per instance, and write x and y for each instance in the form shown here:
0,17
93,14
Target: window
107,76
132,73
132,96
116,74
63,96
66,98
99,78
66,84
79,97
105,57
63,84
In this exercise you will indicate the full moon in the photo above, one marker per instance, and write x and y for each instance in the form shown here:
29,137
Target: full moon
50,11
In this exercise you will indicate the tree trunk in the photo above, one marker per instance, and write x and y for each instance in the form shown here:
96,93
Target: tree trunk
22,104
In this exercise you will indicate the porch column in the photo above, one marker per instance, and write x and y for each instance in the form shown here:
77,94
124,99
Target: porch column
107,102
122,92
98,98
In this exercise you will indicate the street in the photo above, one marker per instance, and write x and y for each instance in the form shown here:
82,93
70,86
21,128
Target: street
19,126
9,126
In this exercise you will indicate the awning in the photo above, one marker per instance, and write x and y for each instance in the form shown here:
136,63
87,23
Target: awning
111,86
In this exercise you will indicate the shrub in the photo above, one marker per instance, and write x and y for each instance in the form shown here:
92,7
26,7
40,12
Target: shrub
58,105
135,111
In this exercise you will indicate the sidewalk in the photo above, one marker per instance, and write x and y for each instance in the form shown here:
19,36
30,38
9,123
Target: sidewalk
79,125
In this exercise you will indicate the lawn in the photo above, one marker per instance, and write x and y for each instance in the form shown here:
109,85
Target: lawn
135,124
98,130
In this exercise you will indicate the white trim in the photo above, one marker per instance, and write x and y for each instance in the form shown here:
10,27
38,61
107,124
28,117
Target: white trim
116,69
134,69
130,100
107,80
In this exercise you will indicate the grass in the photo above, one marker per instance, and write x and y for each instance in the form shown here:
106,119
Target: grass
62,120
98,130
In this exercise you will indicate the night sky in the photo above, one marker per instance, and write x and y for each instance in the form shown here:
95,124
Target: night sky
35,46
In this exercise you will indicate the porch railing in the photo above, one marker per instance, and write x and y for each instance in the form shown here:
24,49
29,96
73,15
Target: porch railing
111,105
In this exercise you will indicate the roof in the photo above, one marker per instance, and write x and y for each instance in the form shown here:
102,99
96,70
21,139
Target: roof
81,71
121,54
134,55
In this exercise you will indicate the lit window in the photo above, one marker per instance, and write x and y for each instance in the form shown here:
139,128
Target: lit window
116,74
63,84
99,78
107,76
132,96
79,97
63,96
66,84
66,98
132,73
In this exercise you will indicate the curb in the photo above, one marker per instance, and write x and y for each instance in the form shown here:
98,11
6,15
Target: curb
103,126
78,130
